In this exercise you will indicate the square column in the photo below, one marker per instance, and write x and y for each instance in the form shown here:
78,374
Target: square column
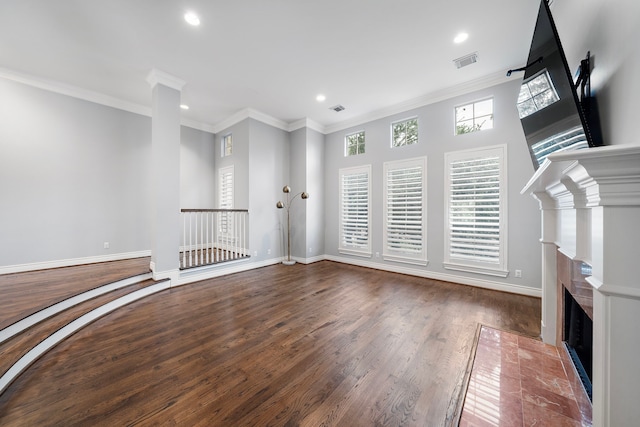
165,169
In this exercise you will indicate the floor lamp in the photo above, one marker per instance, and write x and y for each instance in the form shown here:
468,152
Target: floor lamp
287,205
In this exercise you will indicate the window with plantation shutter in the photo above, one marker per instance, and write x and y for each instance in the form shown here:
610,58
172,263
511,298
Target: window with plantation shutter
405,211
475,192
355,211
225,198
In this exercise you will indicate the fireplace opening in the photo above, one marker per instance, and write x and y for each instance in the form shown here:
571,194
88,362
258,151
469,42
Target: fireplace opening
578,339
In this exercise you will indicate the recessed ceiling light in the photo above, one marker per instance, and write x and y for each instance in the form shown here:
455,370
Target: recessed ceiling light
320,98
184,106
192,18
461,37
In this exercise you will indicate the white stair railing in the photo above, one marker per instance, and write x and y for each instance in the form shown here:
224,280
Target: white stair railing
211,236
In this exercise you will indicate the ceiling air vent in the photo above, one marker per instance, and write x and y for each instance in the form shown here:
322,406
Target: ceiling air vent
463,61
337,108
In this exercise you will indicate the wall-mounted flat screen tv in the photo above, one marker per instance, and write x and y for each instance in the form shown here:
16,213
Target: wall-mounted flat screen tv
552,116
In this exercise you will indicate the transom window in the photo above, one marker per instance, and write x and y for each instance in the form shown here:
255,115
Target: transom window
227,145
474,116
354,144
404,132
536,93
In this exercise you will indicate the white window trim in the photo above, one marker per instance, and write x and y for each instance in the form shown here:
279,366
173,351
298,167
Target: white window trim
346,148
498,269
223,151
362,252
389,254
403,121
229,218
455,117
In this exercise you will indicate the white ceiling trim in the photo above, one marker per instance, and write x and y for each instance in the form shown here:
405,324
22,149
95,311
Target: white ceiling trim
156,76
90,96
74,92
250,113
431,98
109,101
307,123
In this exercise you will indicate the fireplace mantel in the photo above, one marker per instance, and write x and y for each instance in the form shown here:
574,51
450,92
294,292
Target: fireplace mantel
590,206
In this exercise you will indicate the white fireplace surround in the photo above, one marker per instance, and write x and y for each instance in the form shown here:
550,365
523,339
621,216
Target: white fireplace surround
590,207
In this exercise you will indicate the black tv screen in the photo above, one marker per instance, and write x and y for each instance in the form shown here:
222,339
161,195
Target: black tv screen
551,114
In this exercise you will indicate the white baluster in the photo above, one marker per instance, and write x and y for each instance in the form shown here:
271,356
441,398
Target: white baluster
184,239
200,240
217,236
244,234
206,238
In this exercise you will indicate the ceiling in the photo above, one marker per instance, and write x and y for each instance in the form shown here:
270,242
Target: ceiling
271,56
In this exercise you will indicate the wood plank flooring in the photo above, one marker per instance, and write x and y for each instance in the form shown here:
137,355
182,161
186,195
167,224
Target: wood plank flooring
311,345
26,293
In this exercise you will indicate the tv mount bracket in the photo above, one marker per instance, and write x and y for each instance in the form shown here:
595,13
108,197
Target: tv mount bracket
583,80
583,75
531,64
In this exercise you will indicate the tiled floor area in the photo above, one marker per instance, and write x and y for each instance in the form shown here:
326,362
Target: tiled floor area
519,381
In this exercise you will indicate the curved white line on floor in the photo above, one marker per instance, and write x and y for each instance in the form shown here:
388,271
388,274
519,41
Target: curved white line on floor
25,361
21,325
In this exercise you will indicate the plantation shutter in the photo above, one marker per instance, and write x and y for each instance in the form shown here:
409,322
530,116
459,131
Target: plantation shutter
474,209
225,187
404,211
355,210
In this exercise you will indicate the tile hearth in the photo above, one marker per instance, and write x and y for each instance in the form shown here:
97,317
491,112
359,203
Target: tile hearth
519,381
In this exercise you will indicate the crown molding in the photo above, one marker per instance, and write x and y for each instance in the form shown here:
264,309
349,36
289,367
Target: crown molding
307,123
430,98
91,96
74,92
205,127
156,76
250,113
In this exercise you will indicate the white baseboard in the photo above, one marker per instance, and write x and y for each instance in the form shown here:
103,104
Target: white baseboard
216,270
20,268
463,280
208,272
309,260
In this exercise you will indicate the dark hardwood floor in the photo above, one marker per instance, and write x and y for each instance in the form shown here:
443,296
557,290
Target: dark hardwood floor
324,344
26,293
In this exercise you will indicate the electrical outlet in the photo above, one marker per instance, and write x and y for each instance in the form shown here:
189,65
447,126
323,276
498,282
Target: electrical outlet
268,251
310,250
377,254
106,245
519,273
255,253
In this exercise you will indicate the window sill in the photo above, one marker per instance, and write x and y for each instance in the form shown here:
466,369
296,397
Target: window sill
405,260
476,269
360,253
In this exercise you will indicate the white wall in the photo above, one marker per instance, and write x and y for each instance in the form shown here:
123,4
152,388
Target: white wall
197,169
610,31
298,182
307,174
268,173
74,174
436,136
315,187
